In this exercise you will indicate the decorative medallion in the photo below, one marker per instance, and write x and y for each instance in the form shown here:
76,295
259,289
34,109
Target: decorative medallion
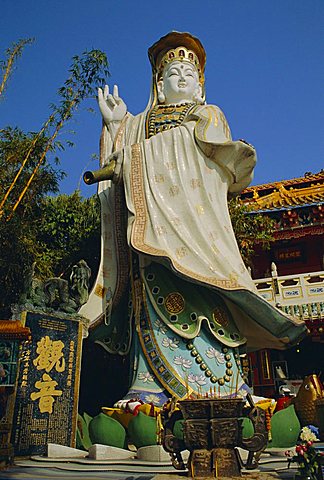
220,316
174,303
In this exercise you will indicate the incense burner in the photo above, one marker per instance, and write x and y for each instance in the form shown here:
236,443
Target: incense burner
212,428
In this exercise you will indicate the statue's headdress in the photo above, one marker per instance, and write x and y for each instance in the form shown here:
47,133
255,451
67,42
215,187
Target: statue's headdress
177,46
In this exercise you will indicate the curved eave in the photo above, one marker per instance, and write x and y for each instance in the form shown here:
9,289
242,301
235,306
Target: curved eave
315,177
283,208
13,329
298,232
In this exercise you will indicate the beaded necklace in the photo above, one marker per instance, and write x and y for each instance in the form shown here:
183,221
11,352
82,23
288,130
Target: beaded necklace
165,117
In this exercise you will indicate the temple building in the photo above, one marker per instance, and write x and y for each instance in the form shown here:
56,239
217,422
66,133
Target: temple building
12,334
291,275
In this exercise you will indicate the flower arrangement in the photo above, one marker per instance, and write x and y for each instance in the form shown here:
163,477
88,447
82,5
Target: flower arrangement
306,456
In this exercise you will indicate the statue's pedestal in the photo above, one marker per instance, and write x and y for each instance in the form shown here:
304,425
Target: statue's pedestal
250,476
46,405
127,469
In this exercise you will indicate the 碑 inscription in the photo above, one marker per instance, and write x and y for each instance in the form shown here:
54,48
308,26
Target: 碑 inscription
48,385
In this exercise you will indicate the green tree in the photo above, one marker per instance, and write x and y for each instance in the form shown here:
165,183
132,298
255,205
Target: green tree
29,172
7,65
87,72
69,230
251,229
55,232
18,244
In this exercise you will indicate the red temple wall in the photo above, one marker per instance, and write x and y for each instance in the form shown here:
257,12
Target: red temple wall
295,256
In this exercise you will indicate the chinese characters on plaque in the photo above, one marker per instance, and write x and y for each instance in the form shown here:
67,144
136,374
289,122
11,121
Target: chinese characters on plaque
48,385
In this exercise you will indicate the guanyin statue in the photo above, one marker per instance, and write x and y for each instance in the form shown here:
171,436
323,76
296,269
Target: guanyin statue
172,287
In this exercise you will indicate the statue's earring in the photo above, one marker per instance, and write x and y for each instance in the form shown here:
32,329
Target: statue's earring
197,97
161,96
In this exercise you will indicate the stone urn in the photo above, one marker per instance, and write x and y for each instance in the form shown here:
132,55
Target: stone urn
212,428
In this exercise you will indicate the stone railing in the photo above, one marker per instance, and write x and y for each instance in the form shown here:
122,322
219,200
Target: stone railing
300,295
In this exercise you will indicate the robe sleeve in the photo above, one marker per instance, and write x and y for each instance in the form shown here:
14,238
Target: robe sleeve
213,136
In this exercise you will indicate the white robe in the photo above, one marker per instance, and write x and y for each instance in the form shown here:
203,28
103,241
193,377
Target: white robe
176,185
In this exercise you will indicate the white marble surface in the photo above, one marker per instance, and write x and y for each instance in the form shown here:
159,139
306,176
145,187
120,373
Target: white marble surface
105,452
60,451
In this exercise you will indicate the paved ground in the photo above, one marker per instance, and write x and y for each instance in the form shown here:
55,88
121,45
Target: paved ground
271,467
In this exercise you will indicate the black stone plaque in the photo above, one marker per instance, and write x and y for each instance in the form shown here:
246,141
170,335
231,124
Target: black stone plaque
48,384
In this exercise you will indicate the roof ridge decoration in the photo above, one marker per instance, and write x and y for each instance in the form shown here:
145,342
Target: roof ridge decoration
283,197
309,177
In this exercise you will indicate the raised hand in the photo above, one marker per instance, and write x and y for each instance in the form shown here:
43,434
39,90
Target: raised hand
112,107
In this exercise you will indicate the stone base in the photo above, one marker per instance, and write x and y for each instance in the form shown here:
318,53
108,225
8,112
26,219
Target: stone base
153,453
60,451
105,452
249,476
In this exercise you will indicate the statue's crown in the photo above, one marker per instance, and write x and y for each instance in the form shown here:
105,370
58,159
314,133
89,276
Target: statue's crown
180,53
181,46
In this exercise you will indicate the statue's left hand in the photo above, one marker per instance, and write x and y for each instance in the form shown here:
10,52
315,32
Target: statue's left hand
112,107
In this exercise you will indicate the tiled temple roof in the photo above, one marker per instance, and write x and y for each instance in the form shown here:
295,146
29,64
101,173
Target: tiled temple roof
287,193
12,329
308,178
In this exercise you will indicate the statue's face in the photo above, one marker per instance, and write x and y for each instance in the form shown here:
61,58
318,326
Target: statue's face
180,82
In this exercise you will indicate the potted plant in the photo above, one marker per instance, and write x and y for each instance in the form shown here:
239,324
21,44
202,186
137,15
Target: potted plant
306,455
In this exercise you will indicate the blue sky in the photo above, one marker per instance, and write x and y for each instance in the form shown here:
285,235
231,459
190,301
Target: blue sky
264,69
